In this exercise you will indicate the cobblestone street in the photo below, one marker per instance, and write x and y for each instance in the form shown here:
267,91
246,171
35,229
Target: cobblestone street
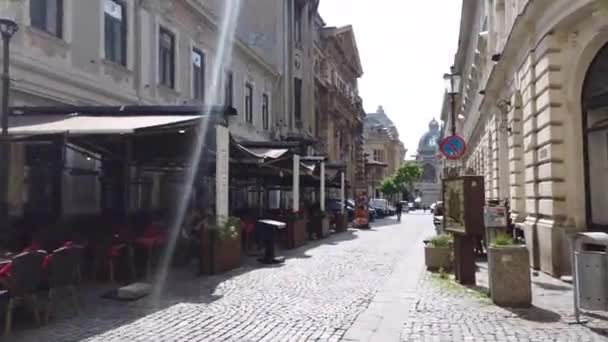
354,286
315,295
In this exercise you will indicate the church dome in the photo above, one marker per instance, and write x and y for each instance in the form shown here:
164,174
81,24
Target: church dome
429,141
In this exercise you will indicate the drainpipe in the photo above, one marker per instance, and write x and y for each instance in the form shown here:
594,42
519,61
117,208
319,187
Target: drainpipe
137,65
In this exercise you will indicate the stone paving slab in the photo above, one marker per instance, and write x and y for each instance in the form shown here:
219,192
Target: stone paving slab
446,311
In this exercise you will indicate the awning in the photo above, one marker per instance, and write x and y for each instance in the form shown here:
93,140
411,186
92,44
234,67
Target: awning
82,124
267,153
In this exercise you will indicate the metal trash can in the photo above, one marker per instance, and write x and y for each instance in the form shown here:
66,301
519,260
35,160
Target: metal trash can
590,276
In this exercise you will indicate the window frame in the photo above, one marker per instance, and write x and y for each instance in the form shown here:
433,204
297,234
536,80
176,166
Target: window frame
170,83
200,95
265,111
229,88
248,98
59,6
124,27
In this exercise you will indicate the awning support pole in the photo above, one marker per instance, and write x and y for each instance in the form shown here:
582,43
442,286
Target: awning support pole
296,183
222,165
322,195
342,191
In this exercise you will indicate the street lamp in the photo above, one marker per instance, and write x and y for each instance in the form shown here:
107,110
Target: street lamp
8,28
452,87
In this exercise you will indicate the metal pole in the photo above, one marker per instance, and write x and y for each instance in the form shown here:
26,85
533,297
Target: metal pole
4,147
453,101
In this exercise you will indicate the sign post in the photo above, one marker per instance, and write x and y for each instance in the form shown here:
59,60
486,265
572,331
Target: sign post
453,147
463,201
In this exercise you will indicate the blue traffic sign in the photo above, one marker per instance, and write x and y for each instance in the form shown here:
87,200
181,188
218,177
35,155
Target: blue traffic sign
453,147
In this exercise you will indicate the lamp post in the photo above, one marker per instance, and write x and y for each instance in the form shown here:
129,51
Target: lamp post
8,28
452,86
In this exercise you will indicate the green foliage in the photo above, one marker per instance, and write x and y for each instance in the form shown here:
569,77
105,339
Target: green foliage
389,187
407,174
229,230
503,240
443,240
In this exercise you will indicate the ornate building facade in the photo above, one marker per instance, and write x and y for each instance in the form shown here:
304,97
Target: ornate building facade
534,104
383,150
339,109
429,187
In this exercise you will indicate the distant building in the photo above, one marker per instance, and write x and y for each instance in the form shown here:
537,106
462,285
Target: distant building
429,187
384,151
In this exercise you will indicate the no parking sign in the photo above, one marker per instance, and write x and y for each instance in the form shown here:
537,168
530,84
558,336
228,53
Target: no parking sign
453,147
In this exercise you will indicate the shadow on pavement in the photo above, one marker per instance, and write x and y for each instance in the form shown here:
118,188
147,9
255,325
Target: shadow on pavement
536,314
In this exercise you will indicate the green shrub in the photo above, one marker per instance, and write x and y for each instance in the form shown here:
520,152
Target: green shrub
443,240
503,240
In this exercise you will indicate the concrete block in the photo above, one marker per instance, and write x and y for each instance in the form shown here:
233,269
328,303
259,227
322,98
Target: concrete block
552,189
552,151
549,115
549,245
552,207
531,236
551,171
551,133
509,276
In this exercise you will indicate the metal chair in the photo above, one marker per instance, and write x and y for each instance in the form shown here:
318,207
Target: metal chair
25,280
63,270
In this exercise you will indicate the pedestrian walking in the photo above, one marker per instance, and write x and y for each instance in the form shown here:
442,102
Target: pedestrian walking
399,209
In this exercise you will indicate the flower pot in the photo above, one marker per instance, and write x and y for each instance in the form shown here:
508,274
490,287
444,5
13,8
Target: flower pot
438,257
219,256
509,276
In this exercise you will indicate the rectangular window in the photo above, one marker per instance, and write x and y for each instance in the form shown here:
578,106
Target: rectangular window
379,155
47,15
249,103
297,19
297,95
228,93
115,15
166,57
265,117
198,74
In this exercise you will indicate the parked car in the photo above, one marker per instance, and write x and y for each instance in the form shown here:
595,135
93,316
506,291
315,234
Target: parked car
392,210
381,206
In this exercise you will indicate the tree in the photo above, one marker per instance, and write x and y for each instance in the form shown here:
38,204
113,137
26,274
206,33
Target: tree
407,174
388,187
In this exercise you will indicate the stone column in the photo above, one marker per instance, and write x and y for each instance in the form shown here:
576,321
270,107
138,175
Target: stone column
550,156
222,164
528,77
322,190
516,164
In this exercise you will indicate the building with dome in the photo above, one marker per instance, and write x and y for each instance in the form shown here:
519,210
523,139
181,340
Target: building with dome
429,187
383,149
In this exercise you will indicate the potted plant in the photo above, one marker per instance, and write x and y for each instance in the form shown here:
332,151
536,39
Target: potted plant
221,245
509,272
438,252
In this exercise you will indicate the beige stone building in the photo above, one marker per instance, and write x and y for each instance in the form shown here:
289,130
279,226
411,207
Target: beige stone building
382,147
113,52
534,107
339,108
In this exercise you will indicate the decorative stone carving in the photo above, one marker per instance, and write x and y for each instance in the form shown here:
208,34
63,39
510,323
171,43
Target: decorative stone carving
297,61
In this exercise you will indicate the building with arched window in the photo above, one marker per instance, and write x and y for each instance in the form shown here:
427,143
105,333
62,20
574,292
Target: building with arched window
534,111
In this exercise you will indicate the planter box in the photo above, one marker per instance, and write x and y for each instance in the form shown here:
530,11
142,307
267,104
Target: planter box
341,223
219,256
438,257
509,276
296,233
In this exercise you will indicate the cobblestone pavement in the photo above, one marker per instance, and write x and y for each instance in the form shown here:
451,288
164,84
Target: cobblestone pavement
445,311
315,296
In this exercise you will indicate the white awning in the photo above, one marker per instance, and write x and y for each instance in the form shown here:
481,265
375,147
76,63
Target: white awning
266,153
81,124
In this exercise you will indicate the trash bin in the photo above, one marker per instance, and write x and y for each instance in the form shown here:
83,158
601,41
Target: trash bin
590,276
267,230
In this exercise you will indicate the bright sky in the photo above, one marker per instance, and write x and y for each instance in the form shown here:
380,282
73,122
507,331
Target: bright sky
405,47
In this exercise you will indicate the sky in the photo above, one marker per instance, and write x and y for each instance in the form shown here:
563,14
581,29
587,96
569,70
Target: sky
405,47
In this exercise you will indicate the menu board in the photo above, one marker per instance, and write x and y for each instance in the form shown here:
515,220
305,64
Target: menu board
454,201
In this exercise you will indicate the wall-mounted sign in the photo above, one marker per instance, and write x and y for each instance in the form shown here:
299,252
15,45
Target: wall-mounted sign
453,147
495,217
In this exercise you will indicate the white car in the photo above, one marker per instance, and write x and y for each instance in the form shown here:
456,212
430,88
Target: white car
380,205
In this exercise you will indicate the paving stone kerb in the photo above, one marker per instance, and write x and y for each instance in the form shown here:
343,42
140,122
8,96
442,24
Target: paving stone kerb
315,295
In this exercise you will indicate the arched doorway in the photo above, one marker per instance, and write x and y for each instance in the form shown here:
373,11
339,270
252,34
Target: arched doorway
595,141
